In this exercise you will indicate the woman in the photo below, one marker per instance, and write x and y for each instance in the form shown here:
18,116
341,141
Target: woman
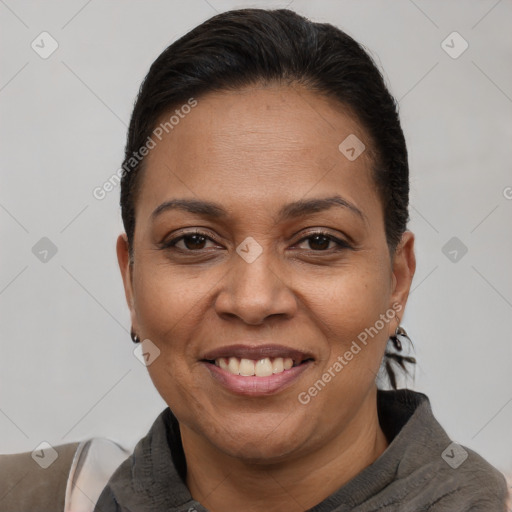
266,264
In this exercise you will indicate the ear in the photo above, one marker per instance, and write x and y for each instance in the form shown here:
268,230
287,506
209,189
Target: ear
123,258
404,266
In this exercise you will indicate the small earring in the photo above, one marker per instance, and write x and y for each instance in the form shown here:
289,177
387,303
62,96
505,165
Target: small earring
134,337
399,331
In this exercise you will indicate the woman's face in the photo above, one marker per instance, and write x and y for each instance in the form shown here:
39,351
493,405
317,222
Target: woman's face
291,263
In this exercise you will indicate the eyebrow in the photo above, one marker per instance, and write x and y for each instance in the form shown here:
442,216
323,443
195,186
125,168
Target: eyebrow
287,212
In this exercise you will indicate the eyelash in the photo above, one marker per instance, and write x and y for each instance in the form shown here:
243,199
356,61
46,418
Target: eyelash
170,244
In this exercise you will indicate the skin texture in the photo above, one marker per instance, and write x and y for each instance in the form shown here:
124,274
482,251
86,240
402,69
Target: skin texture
253,151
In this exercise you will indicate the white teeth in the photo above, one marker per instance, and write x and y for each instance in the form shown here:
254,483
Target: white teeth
248,367
263,368
234,365
277,365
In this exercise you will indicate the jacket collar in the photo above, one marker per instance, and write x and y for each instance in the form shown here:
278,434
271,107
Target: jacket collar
153,477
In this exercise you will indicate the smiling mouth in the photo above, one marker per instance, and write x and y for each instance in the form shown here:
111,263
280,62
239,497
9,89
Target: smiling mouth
264,367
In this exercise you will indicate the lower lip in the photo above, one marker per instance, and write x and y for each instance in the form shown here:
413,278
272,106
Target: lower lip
257,386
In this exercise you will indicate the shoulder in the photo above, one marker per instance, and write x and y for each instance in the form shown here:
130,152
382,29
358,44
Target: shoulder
462,480
485,486
433,470
458,478
58,478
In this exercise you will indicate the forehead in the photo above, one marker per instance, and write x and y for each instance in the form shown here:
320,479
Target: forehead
263,144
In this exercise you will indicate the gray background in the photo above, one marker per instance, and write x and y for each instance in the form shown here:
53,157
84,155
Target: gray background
67,371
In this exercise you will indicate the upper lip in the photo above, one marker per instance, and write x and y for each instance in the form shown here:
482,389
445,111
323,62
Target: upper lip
257,352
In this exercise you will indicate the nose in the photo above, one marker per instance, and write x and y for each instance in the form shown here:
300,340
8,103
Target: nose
254,291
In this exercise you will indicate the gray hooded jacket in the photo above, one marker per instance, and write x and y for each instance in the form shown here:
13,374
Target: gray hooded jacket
421,470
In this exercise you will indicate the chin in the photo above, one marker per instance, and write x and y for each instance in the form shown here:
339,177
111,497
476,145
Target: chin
257,441
261,451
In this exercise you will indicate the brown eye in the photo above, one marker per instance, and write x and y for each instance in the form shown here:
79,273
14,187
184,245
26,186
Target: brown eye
192,242
189,242
319,242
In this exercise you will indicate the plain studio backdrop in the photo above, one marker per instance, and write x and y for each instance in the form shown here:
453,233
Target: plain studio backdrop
70,72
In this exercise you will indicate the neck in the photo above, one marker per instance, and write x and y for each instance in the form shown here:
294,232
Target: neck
223,483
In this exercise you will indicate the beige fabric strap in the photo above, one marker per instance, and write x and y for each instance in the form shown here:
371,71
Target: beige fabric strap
94,462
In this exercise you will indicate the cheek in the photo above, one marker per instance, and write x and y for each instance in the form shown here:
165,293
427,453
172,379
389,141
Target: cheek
167,299
351,311
348,309
353,299
170,307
